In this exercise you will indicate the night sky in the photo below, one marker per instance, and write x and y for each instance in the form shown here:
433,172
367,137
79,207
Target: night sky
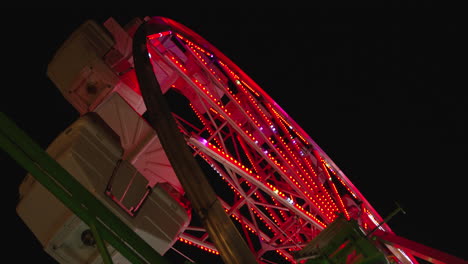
383,95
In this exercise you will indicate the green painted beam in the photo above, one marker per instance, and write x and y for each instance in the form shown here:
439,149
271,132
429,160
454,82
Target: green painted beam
72,194
101,245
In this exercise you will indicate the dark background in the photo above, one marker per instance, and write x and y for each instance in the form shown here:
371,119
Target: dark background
381,93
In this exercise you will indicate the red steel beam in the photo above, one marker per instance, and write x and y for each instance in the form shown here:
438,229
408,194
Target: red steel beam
419,250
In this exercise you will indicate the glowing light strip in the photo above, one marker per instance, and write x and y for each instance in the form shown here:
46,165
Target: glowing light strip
260,234
206,124
287,123
341,181
250,88
248,225
307,179
332,185
234,213
286,256
190,43
197,243
259,196
270,124
330,209
328,204
240,169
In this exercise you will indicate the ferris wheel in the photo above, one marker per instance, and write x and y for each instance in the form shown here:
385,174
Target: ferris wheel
272,179
193,154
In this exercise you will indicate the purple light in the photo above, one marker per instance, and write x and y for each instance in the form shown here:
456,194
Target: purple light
203,141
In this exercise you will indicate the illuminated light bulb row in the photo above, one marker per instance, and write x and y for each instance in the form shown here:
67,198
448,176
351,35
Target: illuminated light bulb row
248,227
272,214
248,113
280,166
228,70
177,63
254,119
228,157
328,201
240,83
250,88
340,201
207,92
270,107
308,164
249,157
236,192
194,48
211,96
284,217
255,103
200,57
234,189
267,225
250,135
281,124
328,197
280,120
207,249
191,44
275,190
325,207
281,194
301,160
334,190
249,96
310,215
341,181
205,123
293,179
252,230
305,180
217,113
309,167
284,256
200,85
